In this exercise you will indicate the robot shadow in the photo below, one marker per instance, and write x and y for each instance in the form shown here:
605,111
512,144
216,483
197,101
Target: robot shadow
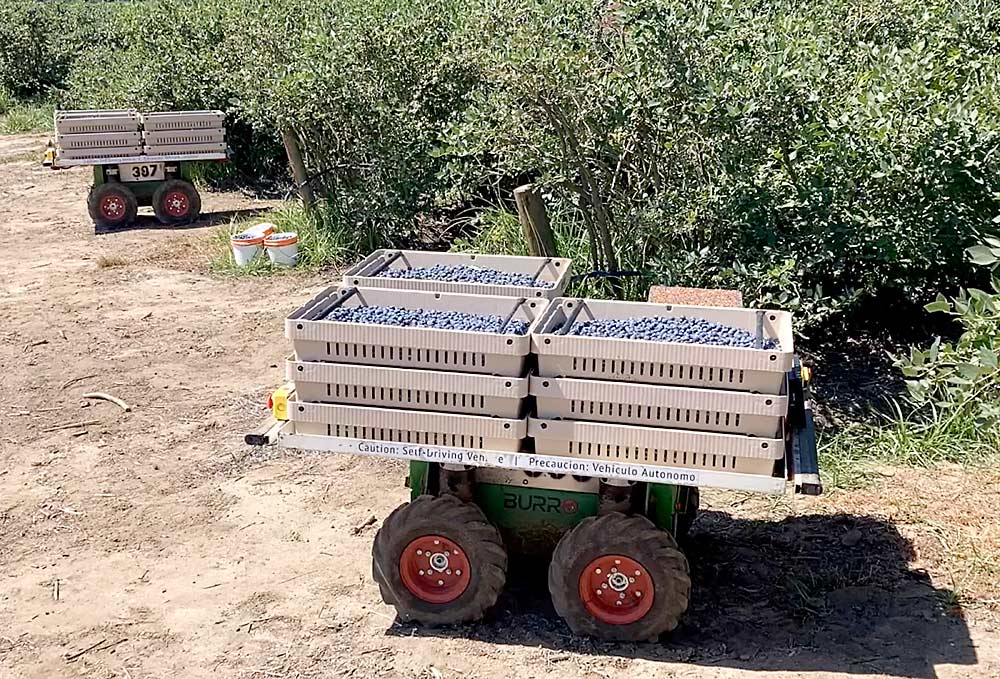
831,593
148,222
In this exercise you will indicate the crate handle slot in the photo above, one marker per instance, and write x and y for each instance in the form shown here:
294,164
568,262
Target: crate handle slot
548,260
503,326
568,325
385,264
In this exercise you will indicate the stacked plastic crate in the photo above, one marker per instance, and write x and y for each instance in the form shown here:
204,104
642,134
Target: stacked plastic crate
710,407
183,133
93,135
410,349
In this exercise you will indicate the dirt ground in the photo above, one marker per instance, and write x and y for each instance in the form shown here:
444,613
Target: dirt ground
153,543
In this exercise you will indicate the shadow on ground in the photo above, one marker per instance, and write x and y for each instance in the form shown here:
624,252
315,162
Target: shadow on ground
147,222
809,593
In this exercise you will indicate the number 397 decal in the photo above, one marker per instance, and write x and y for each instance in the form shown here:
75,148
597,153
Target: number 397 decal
141,172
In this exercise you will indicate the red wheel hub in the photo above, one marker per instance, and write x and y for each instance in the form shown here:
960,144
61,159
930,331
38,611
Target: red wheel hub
176,204
434,569
113,206
616,590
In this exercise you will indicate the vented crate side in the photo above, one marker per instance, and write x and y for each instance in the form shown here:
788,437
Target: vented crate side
700,365
97,140
435,424
155,138
96,122
96,113
372,431
610,453
655,438
408,389
99,154
314,339
658,405
182,120
172,149
551,270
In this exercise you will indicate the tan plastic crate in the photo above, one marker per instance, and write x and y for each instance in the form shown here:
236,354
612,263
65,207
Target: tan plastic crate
99,154
175,137
408,426
695,365
407,388
314,339
733,412
98,140
96,122
655,446
549,269
182,120
184,149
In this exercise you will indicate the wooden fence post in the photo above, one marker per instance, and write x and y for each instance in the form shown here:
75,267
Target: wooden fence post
298,168
535,221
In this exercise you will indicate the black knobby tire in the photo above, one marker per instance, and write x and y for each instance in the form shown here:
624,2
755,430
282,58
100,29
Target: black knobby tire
112,205
637,539
468,528
176,202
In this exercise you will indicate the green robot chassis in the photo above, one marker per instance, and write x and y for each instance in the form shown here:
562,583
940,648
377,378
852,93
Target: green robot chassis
615,570
532,517
120,189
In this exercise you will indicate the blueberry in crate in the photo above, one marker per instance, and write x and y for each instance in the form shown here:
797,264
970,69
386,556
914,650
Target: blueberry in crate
684,330
462,273
425,318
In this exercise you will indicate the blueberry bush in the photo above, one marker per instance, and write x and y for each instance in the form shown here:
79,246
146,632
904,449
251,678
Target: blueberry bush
810,153
963,377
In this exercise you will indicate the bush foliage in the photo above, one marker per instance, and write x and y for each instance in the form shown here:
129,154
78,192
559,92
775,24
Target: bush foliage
807,152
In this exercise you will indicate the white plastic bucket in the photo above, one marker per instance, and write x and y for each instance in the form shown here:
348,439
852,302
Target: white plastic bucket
283,248
246,247
264,229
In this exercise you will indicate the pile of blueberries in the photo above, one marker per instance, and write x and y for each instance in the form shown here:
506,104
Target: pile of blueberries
424,318
684,330
466,274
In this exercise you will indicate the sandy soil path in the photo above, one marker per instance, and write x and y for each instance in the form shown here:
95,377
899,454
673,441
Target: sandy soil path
153,544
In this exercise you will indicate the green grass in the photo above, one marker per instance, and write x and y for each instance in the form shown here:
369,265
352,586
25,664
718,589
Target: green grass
18,117
849,457
325,239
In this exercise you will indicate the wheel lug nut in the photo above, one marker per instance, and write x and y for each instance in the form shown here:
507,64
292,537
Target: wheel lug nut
440,582
597,570
421,572
638,594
